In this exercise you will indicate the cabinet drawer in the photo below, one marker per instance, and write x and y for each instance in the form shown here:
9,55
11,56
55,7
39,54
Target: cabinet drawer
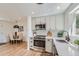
49,49
48,46
50,40
31,41
31,45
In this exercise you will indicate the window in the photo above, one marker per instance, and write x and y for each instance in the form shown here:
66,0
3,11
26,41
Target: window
77,24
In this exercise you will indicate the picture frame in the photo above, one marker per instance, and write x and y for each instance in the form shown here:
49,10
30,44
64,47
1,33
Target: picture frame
21,28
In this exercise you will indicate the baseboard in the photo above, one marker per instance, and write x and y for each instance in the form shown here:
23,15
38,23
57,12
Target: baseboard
2,43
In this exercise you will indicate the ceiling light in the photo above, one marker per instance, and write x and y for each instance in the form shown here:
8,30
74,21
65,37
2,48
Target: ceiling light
33,12
58,7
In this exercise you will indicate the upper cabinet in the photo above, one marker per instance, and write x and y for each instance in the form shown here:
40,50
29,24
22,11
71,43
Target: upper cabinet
38,20
43,20
47,23
52,22
59,22
33,23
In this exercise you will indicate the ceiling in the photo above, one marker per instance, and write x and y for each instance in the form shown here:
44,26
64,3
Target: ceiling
13,10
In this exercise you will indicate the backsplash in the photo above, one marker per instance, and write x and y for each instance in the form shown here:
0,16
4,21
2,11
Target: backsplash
44,32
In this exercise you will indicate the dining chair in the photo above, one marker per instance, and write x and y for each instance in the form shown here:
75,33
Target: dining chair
20,38
11,38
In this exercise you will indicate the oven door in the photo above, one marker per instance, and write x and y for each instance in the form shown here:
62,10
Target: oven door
39,43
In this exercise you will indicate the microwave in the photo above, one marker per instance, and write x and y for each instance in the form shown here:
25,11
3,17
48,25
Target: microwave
40,26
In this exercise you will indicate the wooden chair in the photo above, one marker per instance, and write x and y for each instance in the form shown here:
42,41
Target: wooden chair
11,38
20,39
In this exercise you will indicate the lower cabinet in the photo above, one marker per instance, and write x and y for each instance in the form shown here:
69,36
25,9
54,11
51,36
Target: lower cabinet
31,43
48,45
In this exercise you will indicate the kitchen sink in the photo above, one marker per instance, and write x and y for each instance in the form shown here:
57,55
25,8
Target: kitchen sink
73,45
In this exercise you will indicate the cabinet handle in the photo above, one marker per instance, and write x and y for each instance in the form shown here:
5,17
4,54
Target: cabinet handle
31,41
31,46
48,39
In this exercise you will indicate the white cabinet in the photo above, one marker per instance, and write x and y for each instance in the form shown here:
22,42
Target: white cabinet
43,20
59,22
38,20
47,23
55,22
33,23
31,43
52,22
49,46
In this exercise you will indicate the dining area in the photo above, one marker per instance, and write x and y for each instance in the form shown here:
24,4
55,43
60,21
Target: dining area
16,38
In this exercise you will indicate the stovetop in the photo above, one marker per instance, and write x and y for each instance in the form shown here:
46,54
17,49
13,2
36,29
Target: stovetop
40,37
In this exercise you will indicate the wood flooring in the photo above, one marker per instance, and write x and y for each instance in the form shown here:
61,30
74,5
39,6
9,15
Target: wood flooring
19,50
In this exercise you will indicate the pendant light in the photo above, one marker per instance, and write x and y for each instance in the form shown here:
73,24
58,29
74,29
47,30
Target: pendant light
16,26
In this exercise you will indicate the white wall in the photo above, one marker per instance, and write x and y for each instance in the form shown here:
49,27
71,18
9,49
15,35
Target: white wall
5,28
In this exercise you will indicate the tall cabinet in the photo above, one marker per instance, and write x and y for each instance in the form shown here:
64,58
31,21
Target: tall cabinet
50,22
59,22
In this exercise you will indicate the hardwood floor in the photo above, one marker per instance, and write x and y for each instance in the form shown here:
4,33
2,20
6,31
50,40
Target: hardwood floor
19,50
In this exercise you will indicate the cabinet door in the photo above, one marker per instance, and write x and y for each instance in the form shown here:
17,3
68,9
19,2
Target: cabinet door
38,20
31,42
59,22
52,22
43,20
33,23
47,23
48,45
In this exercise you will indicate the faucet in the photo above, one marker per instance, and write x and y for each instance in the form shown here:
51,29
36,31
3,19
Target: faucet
67,36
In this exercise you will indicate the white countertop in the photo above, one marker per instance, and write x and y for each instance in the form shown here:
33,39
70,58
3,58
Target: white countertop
64,49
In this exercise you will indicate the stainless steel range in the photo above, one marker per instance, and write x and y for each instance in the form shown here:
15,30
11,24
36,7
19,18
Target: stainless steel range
39,41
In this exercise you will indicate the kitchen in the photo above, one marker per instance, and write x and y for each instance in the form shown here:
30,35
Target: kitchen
44,29
58,45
